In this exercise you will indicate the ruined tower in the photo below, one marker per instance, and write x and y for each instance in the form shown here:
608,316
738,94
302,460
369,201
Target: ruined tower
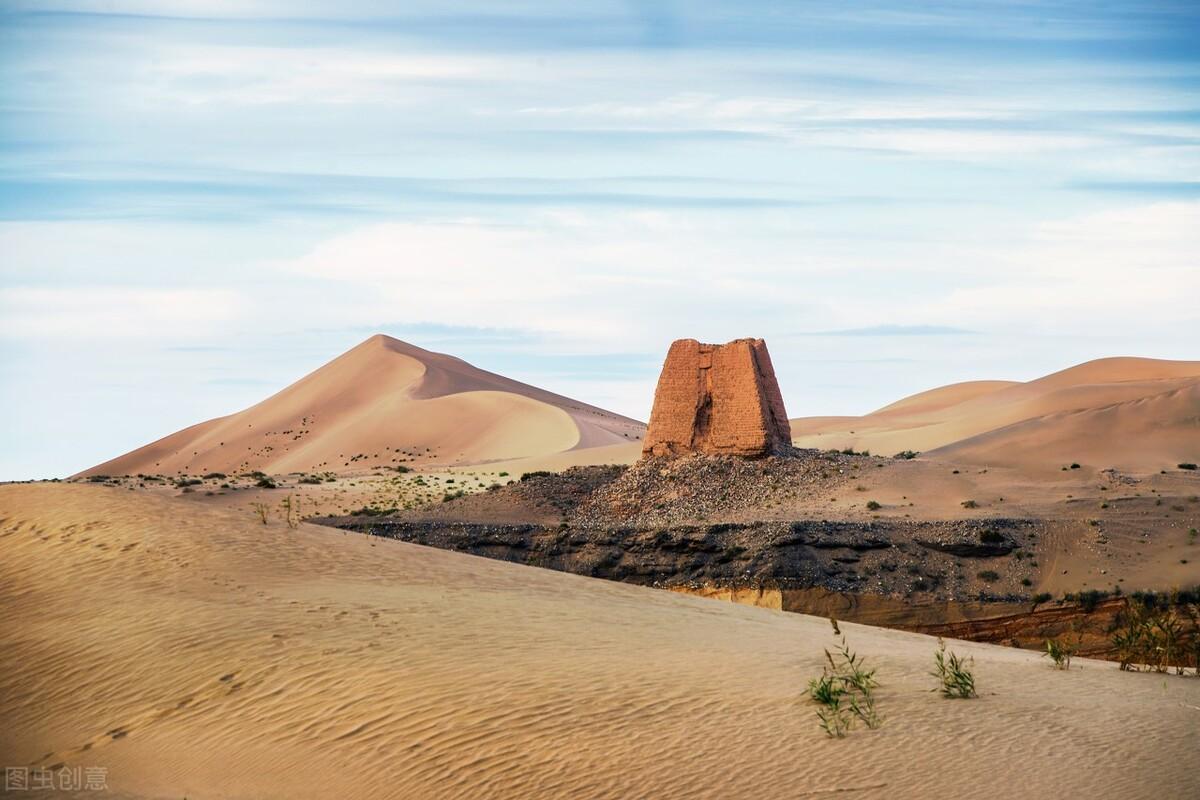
718,400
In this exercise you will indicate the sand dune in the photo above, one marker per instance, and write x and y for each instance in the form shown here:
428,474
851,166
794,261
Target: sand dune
384,402
193,652
1131,413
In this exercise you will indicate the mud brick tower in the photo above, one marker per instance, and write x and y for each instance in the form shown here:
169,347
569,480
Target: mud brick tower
718,400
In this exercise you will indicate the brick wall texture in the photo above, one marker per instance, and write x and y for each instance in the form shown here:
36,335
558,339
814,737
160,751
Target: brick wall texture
718,399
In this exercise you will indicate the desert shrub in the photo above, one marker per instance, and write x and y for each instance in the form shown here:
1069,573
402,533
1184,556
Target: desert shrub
541,473
1026,582
954,673
448,496
1158,634
215,476
988,575
265,483
311,479
969,504
907,455
991,537
873,506
1060,653
503,474
1042,597
845,691
1074,466
1187,465
372,511
1088,600
183,482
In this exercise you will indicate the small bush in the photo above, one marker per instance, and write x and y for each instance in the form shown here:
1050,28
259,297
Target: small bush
957,679
541,473
873,506
1060,653
448,496
991,537
1187,465
1074,466
969,504
1042,597
988,575
265,483
907,455
845,691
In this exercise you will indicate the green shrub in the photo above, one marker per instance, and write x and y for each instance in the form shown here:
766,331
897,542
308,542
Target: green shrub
957,678
873,506
907,455
1060,653
845,691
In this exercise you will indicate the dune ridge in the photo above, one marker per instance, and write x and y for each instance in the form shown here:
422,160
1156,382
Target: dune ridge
384,402
192,651
1130,413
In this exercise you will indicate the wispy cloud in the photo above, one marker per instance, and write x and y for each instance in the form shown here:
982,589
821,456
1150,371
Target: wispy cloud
211,198
894,330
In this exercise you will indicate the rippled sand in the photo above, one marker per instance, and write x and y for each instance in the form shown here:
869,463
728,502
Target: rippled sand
194,652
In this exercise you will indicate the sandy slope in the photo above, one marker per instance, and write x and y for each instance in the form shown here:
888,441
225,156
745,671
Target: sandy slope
192,652
1131,413
386,402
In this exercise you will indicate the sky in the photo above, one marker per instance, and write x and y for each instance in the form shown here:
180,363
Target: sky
200,202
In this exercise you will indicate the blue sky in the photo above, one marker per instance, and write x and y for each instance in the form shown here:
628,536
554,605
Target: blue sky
201,201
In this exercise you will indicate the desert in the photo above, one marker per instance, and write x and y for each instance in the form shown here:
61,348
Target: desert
616,400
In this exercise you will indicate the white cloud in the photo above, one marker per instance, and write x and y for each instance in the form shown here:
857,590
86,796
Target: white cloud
99,312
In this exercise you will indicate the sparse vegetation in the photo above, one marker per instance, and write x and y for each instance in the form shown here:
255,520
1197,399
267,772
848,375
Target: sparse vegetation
873,506
1060,653
265,483
845,691
262,510
988,575
969,504
1187,465
906,455
954,672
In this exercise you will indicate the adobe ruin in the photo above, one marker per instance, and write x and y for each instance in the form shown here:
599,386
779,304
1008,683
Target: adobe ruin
718,400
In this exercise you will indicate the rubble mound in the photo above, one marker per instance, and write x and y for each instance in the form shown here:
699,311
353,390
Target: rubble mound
699,488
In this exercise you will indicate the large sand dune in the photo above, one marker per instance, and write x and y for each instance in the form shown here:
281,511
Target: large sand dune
193,652
384,402
1130,413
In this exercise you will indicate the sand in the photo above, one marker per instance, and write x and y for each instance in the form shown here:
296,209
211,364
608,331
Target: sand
194,652
1128,413
382,403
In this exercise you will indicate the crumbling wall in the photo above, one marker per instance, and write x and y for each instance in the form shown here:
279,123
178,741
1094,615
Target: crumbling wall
718,399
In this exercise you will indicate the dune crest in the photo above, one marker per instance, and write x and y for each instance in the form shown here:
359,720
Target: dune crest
384,402
1129,413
